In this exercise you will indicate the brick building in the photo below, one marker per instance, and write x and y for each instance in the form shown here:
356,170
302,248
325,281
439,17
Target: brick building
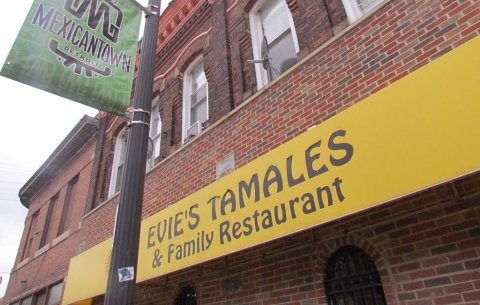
55,197
304,152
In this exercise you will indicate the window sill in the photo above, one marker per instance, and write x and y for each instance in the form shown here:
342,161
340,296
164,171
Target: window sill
23,263
61,238
42,250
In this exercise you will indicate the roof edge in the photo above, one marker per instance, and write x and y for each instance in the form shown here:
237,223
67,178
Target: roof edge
67,141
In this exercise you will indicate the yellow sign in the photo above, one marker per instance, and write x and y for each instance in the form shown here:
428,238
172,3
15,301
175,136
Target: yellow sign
88,274
85,302
420,131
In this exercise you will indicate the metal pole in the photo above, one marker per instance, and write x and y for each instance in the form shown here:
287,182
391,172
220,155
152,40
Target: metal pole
121,279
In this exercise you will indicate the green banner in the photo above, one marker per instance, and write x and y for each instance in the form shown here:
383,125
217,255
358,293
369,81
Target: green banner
83,50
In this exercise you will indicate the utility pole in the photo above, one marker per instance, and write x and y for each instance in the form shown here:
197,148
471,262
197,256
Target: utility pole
123,264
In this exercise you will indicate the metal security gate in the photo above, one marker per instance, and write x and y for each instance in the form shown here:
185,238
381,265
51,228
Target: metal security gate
187,296
352,279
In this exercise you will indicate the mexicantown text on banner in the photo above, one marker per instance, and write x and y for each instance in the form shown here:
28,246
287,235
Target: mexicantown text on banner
66,28
83,50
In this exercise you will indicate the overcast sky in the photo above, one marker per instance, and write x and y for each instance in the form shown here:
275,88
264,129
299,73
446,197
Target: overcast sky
32,125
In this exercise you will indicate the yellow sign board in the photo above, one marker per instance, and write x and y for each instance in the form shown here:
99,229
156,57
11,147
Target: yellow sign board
84,302
421,131
88,274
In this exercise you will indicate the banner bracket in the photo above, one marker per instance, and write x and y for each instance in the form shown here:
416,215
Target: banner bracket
131,112
138,122
152,9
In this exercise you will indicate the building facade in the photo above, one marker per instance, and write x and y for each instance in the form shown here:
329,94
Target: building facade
55,197
304,152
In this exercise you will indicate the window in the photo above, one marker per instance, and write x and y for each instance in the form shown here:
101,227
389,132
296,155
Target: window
352,279
48,224
274,40
118,166
40,297
187,296
66,219
31,232
195,99
27,301
155,134
357,8
55,294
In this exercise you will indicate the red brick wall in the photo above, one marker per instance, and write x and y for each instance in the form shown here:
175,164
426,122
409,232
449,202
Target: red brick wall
44,268
218,65
226,49
394,41
312,25
426,247
362,61
169,87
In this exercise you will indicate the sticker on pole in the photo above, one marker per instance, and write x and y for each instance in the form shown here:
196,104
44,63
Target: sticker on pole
125,274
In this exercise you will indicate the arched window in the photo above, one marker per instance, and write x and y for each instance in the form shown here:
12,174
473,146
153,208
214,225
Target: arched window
195,99
353,279
155,133
274,39
187,296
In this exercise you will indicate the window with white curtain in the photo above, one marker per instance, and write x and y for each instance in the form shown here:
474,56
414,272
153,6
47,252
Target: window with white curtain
118,166
155,133
195,98
357,8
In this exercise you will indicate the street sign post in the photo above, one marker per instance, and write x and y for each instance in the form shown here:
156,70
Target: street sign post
123,265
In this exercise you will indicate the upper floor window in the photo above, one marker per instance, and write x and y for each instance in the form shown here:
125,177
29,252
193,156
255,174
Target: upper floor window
27,301
352,278
55,294
48,221
357,8
67,211
274,40
50,296
40,297
155,134
118,166
195,99
30,235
